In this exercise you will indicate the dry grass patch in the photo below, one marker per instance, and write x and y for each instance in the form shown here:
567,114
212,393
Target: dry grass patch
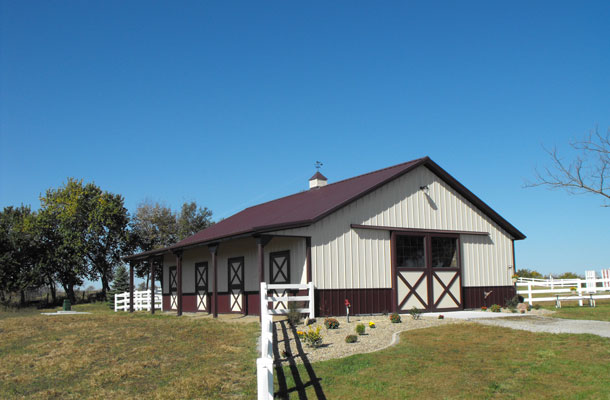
465,361
108,355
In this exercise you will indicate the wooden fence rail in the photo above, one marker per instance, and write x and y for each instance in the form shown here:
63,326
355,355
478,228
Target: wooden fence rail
264,364
591,287
141,301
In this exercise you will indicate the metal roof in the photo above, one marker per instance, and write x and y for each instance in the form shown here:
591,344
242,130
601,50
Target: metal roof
307,207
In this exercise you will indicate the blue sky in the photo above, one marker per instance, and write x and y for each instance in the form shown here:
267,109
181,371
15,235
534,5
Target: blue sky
231,103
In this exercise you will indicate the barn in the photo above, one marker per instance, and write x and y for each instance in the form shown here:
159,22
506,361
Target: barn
405,236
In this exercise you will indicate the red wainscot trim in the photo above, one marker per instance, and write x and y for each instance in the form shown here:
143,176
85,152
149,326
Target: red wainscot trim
331,302
473,296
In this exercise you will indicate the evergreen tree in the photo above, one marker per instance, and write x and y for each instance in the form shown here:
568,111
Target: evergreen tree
120,284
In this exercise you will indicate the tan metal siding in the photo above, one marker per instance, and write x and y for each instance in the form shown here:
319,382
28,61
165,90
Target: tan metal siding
246,248
360,258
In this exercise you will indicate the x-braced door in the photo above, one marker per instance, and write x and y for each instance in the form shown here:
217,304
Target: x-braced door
428,272
236,284
173,289
201,285
279,272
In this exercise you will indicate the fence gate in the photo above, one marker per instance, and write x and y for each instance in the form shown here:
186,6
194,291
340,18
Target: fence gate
279,272
173,289
201,286
236,284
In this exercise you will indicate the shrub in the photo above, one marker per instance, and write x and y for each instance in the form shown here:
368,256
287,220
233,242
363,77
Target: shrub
441,317
536,306
529,307
294,316
331,323
415,313
495,308
312,337
513,302
351,339
483,308
395,318
360,328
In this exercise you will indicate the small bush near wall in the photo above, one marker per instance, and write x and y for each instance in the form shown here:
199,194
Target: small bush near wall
360,328
495,308
395,318
351,339
312,337
415,313
331,323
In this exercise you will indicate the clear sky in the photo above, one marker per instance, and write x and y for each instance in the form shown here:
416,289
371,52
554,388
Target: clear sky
231,103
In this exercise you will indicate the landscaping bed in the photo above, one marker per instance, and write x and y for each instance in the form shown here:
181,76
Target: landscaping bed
333,340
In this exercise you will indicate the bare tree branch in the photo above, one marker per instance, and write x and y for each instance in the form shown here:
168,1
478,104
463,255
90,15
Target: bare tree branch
588,172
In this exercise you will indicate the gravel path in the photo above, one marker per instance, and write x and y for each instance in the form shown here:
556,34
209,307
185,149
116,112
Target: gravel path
334,346
550,325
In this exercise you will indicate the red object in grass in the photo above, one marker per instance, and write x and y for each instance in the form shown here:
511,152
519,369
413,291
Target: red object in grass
347,303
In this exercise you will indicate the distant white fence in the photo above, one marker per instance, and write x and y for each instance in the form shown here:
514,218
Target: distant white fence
264,364
141,301
561,289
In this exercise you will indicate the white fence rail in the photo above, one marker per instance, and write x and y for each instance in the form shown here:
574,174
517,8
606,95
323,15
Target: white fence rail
264,364
141,301
562,289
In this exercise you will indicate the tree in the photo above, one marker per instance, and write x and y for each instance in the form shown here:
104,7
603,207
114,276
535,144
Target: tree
19,250
120,284
107,238
569,275
156,226
588,172
84,234
529,273
192,219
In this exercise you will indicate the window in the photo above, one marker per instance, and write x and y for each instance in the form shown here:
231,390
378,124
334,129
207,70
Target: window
444,252
410,251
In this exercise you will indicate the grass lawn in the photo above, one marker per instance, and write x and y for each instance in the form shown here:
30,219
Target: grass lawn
467,361
571,310
118,355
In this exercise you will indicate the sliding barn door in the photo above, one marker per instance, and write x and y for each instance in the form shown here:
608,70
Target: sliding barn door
279,272
428,273
201,286
236,284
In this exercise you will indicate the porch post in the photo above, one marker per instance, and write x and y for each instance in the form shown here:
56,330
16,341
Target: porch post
152,285
131,263
261,242
393,265
179,280
214,250
308,257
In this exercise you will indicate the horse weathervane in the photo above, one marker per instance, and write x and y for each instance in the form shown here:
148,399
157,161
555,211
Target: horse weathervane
318,165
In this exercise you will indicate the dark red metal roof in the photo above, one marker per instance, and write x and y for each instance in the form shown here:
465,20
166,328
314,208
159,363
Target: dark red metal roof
318,175
305,208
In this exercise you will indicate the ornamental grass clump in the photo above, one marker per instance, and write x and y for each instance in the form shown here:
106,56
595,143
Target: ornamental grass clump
312,337
395,318
331,323
415,313
360,328
495,308
351,339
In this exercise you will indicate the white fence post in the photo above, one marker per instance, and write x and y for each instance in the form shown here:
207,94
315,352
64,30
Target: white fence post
311,301
529,293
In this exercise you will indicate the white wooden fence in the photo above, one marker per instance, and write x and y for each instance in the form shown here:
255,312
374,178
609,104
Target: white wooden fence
561,289
141,301
264,364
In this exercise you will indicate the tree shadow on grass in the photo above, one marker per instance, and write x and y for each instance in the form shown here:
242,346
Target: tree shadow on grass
299,385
